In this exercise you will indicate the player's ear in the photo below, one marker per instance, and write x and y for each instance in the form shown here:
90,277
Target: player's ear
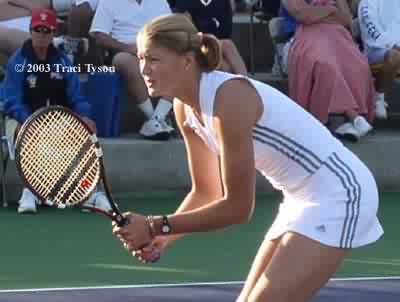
189,60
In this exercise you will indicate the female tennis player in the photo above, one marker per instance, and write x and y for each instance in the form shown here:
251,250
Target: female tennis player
231,126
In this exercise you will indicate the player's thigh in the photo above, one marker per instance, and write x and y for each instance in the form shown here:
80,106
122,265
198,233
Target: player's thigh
299,267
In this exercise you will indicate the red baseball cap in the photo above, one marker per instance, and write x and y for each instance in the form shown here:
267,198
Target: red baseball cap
44,17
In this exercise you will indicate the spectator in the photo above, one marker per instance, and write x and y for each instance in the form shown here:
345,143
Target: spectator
115,26
15,18
328,75
215,17
75,42
42,80
380,32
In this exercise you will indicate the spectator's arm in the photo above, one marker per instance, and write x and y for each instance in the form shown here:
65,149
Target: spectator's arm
309,14
343,15
344,12
102,26
78,103
372,32
29,4
106,41
13,91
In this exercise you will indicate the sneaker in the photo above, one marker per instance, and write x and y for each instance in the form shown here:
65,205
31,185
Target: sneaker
348,131
361,125
27,202
166,126
154,129
380,108
98,200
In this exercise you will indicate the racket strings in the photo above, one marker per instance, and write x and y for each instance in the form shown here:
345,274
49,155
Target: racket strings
47,150
54,142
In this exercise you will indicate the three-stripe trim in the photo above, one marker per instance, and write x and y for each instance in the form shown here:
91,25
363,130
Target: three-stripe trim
310,162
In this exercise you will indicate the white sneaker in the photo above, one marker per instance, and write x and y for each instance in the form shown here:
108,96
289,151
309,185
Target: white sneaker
98,200
154,129
27,202
348,131
166,126
380,108
361,125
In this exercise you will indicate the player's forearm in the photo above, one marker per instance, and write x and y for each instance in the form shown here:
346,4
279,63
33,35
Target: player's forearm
212,216
192,201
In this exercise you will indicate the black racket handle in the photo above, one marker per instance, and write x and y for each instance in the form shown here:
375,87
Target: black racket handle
121,220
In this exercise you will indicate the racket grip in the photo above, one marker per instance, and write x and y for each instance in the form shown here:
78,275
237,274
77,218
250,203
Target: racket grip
121,220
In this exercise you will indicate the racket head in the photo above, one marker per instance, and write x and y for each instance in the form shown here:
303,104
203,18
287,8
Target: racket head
57,156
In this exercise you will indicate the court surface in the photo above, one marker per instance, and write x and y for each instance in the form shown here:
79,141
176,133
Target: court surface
344,290
67,255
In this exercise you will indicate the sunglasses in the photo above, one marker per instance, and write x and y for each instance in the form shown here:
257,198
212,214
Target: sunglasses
42,30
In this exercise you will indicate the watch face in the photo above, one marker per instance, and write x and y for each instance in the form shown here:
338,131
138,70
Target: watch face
166,229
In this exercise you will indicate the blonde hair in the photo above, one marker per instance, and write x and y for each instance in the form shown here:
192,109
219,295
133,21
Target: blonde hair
177,33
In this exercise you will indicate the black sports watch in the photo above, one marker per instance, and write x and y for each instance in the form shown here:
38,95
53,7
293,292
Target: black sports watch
165,226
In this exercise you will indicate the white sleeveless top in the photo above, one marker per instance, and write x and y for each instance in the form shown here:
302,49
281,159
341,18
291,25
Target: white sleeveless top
290,145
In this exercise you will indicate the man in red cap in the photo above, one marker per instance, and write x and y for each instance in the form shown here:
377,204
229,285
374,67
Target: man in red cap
37,75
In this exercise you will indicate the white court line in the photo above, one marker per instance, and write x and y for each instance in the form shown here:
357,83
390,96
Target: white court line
374,262
174,285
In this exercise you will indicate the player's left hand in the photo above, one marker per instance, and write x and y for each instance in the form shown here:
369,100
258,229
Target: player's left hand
136,234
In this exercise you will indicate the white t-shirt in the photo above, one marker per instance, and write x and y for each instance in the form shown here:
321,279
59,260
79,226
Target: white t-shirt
123,19
379,23
93,3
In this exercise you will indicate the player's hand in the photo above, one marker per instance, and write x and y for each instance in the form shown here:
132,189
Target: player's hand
136,234
152,252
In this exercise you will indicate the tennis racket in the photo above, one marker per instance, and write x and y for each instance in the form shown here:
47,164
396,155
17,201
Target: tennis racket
60,160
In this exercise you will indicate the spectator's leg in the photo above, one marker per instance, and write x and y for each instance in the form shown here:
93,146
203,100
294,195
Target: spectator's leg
391,69
8,11
155,127
128,66
11,40
232,57
30,4
224,66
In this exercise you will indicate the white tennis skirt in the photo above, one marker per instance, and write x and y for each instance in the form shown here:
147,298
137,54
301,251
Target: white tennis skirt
337,206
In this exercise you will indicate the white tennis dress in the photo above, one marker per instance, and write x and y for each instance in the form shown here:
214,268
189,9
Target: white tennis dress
329,194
